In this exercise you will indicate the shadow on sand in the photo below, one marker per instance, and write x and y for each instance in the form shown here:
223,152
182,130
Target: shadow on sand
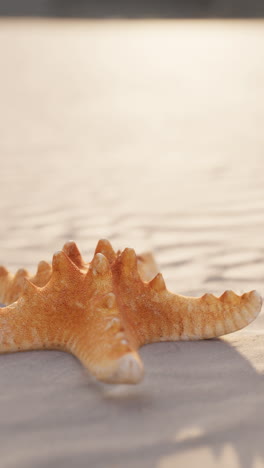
200,395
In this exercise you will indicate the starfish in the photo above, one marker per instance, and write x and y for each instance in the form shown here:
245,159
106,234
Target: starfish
104,311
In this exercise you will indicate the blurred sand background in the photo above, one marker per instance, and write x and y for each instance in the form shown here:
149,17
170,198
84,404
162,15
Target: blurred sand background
149,133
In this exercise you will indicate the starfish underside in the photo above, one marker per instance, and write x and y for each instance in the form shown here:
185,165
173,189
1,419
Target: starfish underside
105,310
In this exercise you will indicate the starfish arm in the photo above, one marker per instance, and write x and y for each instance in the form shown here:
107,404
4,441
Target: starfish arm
101,343
155,314
98,340
107,361
187,318
21,330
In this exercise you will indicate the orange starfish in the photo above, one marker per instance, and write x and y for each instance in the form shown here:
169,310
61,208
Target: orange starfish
103,311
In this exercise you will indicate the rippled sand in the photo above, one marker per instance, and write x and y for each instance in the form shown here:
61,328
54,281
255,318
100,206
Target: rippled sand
149,134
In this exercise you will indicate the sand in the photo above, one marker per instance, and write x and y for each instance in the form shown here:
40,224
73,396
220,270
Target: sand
149,134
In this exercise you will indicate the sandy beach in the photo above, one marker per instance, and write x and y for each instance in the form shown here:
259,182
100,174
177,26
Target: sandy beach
150,134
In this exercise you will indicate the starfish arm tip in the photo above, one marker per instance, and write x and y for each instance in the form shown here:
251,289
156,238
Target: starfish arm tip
255,300
128,369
